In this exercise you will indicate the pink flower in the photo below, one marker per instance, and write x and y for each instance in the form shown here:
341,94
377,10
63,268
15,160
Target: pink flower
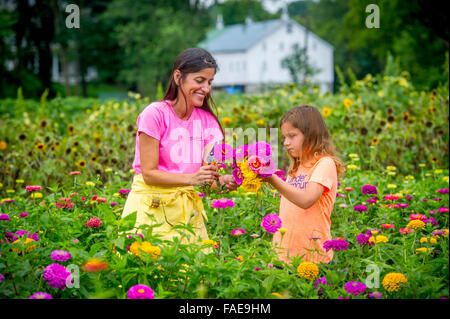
405,230
238,232
256,164
391,197
32,188
94,222
443,210
388,226
271,223
140,292
222,203
222,152
24,214
75,173
349,189
201,195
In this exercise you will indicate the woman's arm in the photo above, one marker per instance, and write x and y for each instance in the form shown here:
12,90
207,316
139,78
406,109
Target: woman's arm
149,155
303,198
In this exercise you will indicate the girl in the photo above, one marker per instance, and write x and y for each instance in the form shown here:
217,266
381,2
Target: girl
173,139
310,190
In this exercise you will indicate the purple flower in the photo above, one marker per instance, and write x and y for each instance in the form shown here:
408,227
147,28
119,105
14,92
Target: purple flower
201,195
57,276
369,189
60,255
222,152
375,294
20,233
124,191
222,203
403,205
355,288
432,212
442,191
437,199
336,244
321,280
363,239
238,232
341,195
1,278
432,221
281,174
24,214
271,223
237,174
360,208
41,295
113,204
4,217
371,201
240,152
140,292
443,210
409,197
262,149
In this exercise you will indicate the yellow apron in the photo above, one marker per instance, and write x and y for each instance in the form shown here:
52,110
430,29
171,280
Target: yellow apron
168,205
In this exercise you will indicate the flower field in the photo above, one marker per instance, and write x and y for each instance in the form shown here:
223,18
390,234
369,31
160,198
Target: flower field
65,175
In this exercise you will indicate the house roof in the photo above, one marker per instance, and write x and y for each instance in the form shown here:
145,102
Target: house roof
238,37
241,37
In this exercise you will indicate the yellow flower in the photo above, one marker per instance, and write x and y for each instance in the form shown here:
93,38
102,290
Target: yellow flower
10,191
378,239
282,231
26,242
391,186
209,242
308,270
438,171
240,258
353,155
391,168
445,179
375,140
421,165
94,265
416,224
348,103
276,294
81,164
394,281
20,181
326,111
392,173
428,239
36,195
352,166
227,121
380,93
260,122
90,184
422,250
146,247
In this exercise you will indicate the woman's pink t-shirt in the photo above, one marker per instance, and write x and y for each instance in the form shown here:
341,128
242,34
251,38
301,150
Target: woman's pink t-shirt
181,143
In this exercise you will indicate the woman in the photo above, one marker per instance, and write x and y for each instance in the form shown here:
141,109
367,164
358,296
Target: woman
173,139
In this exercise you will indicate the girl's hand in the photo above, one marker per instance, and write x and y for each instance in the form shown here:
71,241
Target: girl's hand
230,182
206,174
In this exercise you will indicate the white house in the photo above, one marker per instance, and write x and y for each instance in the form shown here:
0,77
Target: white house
249,55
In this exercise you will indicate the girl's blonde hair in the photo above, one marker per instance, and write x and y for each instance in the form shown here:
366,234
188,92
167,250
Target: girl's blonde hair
317,140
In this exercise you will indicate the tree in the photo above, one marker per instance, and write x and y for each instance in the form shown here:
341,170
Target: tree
298,65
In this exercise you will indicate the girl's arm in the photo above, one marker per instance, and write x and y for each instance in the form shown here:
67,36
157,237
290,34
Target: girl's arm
149,151
303,198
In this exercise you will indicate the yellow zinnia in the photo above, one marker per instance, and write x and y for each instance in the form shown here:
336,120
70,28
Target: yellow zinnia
422,250
326,111
416,224
26,242
146,247
308,270
227,121
378,239
348,103
394,281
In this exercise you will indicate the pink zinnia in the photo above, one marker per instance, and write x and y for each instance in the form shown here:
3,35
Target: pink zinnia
140,292
355,288
271,223
60,255
222,152
419,217
56,276
94,222
405,230
443,210
349,189
442,191
41,295
238,232
222,203
391,197
388,226
75,173
32,188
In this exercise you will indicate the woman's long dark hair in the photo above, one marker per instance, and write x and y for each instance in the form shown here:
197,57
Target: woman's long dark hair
191,61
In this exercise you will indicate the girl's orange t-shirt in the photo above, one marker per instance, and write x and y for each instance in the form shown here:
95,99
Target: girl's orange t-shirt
308,229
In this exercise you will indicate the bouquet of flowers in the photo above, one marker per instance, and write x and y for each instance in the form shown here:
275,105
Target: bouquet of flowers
250,163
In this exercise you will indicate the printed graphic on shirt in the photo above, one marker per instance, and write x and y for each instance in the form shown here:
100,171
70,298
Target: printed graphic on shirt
300,181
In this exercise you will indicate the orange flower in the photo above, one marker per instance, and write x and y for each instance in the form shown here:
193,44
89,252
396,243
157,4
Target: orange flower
94,265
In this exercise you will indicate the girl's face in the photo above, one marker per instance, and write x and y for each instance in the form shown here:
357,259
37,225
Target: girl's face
293,139
196,85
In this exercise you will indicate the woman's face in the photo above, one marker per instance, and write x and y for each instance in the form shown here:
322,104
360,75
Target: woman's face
293,139
196,85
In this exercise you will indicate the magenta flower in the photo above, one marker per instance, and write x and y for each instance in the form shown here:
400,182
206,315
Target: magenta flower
375,294
4,217
371,201
60,255
442,191
355,288
140,292
238,232
369,189
419,217
222,203
94,222
432,212
23,214
262,149
240,152
391,197
113,204
124,192
363,239
360,208
405,230
75,173
257,163
56,276
432,221
201,195
41,295
321,281
271,223
336,244
237,174
1,278
222,152
443,210
32,188
409,197
403,205
281,174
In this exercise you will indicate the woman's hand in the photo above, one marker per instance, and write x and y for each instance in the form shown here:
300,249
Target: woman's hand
230,182
206,174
